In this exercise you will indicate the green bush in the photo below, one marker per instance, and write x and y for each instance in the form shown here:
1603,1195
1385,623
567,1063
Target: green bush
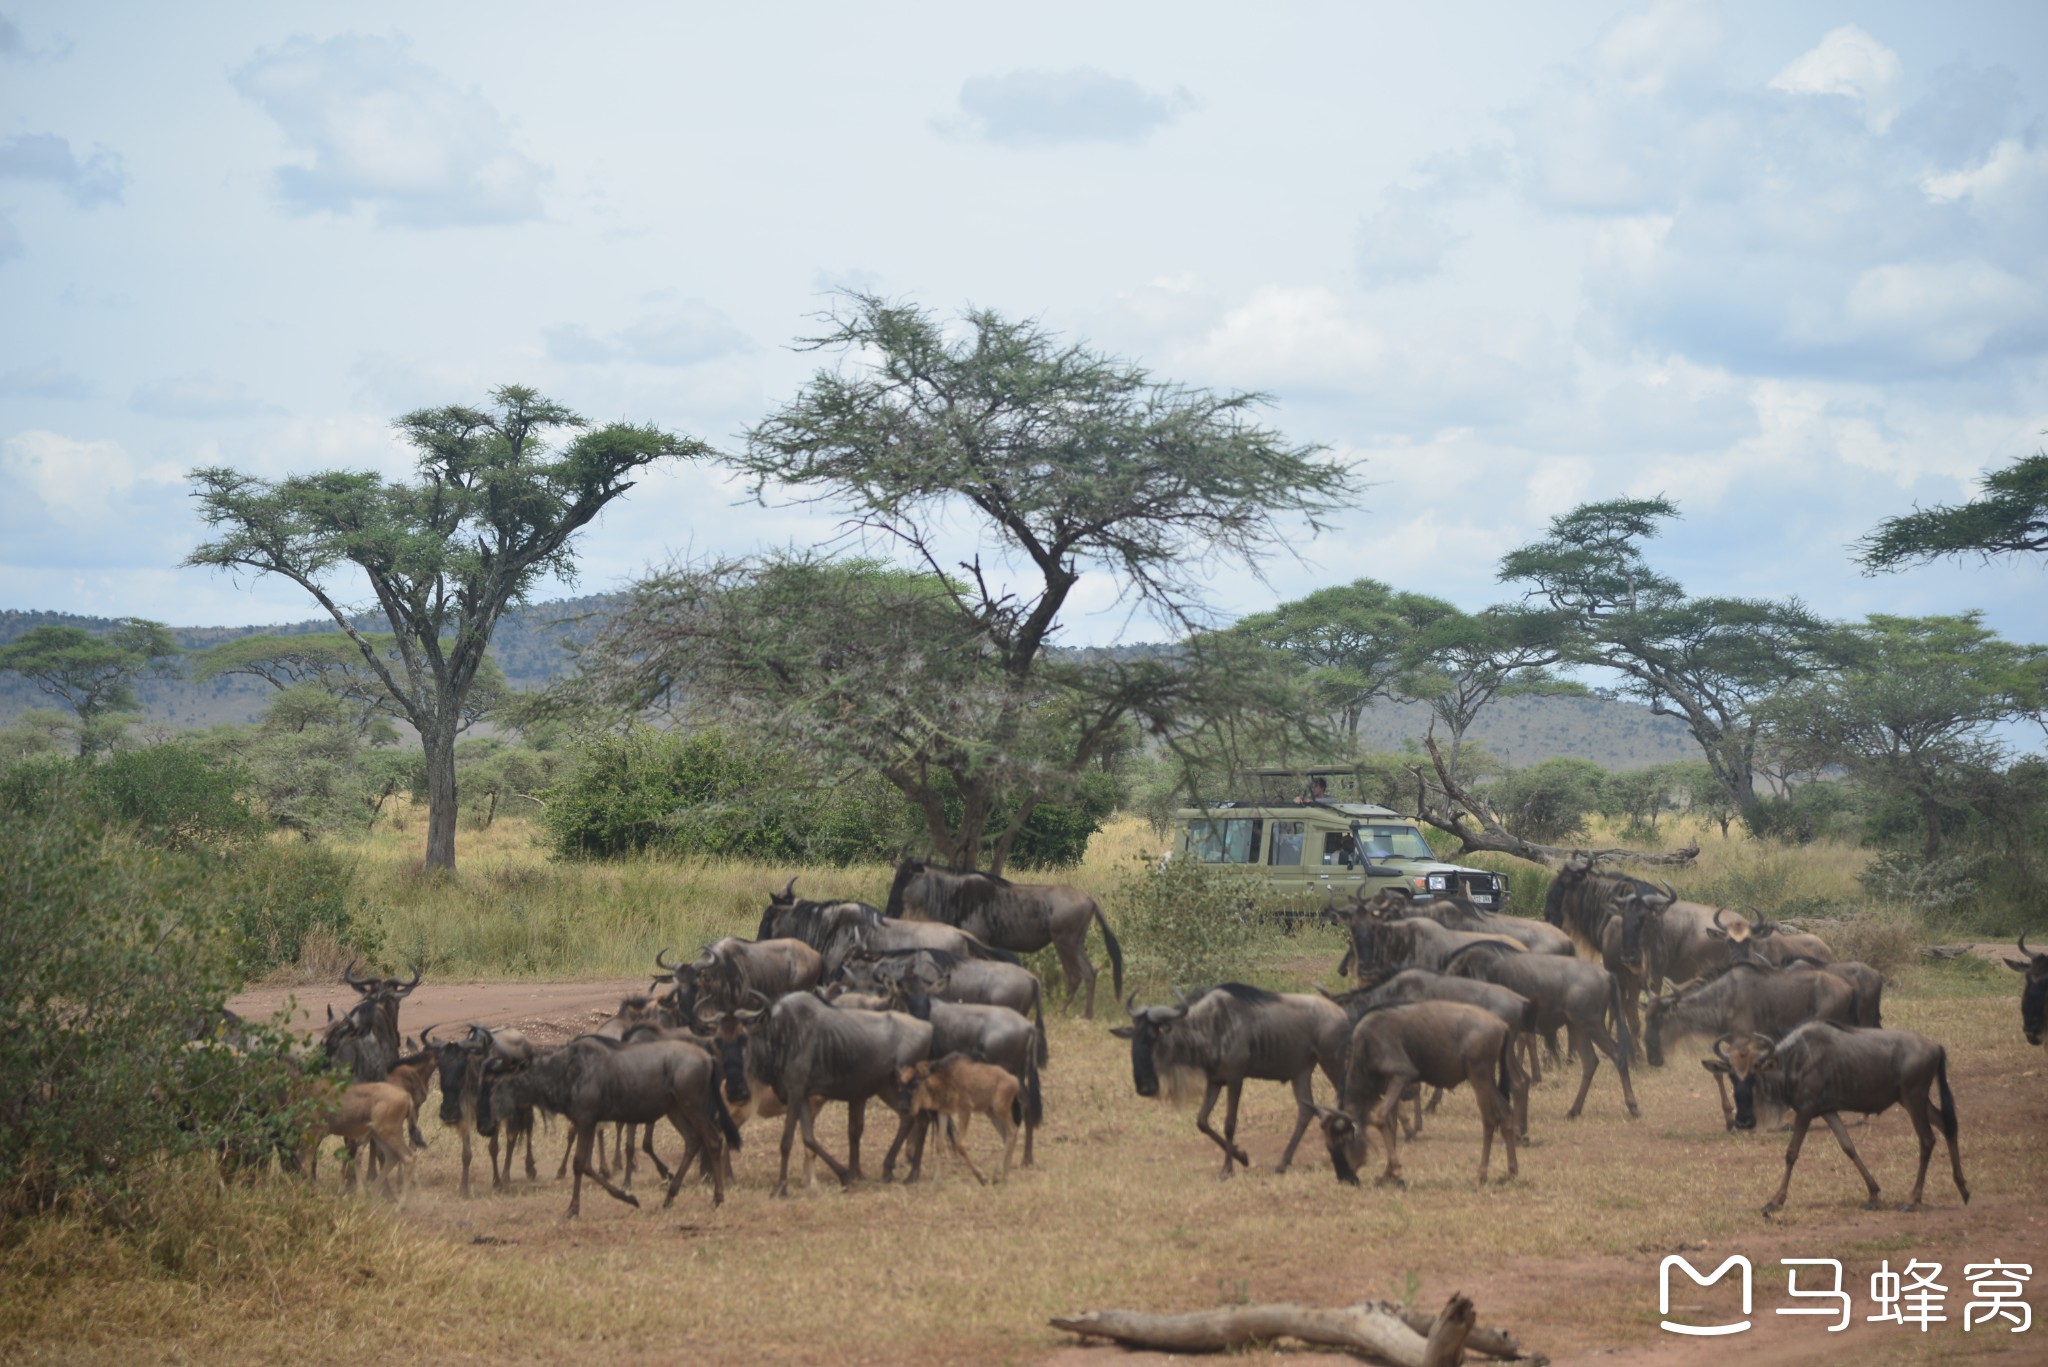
1548,802
170,795
1057,834
116,951
1185,924
712,792
1813,811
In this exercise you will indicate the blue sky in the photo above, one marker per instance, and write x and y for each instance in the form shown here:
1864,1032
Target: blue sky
1786,263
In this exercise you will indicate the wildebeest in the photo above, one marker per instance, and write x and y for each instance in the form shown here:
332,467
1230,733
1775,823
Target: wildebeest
1868,982
958,1089
2034,995
1439,1043
1020,917
372,1113
1823,1068
985,1034
386,994
949,978
1231,1033
1462,913
514,1127
459,1065
355,1041
593,1080
1582,998
730,968
847,930
1774,944
1744,999
1386,934
1602,913
806,1050
1516,1011
788,916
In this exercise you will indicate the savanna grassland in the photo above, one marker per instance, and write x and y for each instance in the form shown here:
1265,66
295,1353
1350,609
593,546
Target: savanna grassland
1122,1209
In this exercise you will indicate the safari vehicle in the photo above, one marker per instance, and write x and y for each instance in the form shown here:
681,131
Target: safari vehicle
1307,830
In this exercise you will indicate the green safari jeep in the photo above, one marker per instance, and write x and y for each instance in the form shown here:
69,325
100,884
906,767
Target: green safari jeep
1305,830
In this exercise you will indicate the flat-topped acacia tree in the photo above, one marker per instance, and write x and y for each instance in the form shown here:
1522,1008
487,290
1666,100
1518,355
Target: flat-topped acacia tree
493,510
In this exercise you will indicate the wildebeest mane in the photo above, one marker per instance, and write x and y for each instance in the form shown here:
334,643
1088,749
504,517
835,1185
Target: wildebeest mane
1244,992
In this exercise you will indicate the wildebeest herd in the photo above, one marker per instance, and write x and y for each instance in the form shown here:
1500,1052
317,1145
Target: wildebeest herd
925,1007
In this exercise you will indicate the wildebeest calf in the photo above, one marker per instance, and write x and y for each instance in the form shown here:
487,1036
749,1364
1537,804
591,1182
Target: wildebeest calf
958,1089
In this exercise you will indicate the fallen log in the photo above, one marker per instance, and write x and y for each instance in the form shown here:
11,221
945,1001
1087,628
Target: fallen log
1373,1328
1493,1343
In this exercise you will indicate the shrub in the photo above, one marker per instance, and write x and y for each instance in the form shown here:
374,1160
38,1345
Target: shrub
1184,924
1548,802
116,951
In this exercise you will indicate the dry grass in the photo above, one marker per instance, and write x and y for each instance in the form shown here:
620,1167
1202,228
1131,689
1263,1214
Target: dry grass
1123,1209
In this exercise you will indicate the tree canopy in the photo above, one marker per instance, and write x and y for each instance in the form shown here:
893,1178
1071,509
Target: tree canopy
93,675
1708,661
1355,642
2008,517
493,511
938,673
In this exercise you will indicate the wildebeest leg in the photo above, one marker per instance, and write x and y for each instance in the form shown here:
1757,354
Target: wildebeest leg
700,1136
647,1147
1210,1092
1589,1063
583,1169
1842,1138
856,1126
463,1130
1518,1079
1529,1052
954,1134
568,1148
807,1117
1304,1112
1009,1133
1620,1057
1385,1120
1436,1095
1791,1157
1076,967
789,1123
1727,1107
905,1122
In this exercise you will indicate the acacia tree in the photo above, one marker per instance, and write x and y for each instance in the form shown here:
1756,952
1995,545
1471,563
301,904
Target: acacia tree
493,511
1912,710
2009,517
1707,661
1353,641
93,675
1462,662
940,676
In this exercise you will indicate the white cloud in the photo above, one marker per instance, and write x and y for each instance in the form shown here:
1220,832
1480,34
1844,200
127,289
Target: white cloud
382,129
1650,48
46,381
76,481
1048,108
89,182
1849,62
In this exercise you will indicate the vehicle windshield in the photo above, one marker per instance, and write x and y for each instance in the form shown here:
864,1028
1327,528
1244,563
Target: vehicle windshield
1393,842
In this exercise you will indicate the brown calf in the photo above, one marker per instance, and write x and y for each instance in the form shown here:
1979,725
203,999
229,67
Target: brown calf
959,1089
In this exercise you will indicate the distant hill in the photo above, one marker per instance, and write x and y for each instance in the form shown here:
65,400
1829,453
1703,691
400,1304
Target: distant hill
532,646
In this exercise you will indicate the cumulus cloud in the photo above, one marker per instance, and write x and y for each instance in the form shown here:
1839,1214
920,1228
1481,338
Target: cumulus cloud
684,334
46,381
1049,108
380,129
76,481
1851,63
90,182
198,396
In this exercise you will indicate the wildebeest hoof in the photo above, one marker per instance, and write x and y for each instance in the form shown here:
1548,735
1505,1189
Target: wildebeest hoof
1770,1209
630,1199
1390,1182
1906,1209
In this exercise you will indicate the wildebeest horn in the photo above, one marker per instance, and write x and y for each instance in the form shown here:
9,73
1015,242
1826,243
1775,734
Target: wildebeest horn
788,891
401,991
2023,945
661,960
758,995
427,1035
1721,1047
747,1017
348,975
1719,912
1670,893
1179,996
1766,1046
1131,1004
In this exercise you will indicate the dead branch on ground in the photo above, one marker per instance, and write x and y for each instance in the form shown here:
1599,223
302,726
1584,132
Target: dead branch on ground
1383,1332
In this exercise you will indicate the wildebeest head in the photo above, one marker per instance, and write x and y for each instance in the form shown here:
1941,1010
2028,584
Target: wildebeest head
1738,935
2034,996
453,1060
779,903
1742,1061
726,1033
1148,1028
1344,1137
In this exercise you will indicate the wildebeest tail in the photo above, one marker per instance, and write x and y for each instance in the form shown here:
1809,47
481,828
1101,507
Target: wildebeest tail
1948,1100
1504,1072
726,1124
1617,1020
1041,1048
1032,1096
1116,953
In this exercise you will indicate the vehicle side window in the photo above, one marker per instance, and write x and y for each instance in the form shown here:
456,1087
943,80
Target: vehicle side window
1235,841
1288,837
1337,847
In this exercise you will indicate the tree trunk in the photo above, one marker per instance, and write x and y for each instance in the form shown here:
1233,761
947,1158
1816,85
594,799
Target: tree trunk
1930,816
1379,1331
440,754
